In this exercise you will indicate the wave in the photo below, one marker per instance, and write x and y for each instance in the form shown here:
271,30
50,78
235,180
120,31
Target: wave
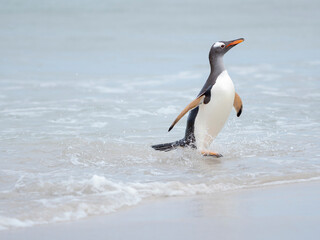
72,200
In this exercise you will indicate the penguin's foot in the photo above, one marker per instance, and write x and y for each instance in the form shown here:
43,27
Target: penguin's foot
211,154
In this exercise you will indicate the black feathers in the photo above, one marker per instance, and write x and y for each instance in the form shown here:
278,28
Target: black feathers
239,113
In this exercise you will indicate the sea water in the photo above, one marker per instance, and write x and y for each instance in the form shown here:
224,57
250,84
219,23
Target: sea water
87,86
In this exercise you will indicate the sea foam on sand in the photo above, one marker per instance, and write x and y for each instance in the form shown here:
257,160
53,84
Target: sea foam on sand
288,211
73,200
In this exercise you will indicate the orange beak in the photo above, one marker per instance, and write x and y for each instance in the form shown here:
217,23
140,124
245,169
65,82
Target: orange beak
235,42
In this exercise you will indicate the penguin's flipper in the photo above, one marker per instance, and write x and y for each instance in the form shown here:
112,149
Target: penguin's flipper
195,103
202,98
237,103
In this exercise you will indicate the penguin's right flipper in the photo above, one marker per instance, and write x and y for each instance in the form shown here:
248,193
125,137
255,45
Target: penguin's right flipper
237,103
195,103
203,98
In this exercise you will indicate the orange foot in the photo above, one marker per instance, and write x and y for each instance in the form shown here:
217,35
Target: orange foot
211,154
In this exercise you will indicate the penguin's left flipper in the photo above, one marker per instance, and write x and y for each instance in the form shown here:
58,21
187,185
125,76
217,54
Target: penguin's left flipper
202,98
237,103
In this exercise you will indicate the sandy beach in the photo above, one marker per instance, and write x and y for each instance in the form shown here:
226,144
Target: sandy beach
289,211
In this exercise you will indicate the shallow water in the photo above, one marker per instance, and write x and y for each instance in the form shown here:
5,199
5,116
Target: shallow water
86,88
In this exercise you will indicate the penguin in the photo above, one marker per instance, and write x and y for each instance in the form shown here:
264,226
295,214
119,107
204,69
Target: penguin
210,110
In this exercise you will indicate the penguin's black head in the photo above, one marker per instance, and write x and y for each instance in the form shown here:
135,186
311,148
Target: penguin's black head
221,47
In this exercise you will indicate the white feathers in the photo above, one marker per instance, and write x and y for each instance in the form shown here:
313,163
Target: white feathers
211,117
218,44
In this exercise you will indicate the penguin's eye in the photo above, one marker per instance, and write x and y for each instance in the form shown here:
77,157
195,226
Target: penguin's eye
222,46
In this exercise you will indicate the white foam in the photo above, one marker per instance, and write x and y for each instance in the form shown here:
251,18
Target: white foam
98,195
7,222
73,200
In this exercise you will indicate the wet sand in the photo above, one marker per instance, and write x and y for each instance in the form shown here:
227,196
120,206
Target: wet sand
289,211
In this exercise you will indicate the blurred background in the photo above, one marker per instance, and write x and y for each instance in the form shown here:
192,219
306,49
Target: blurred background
76,39
87,86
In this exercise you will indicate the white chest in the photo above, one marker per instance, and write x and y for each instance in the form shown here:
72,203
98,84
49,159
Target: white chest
211,117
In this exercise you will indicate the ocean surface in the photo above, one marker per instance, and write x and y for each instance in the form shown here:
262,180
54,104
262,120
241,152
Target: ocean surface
87,86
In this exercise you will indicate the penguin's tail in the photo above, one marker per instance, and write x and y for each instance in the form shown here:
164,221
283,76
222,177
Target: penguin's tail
169,146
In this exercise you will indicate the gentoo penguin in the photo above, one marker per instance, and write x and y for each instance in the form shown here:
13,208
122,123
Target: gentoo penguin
211,109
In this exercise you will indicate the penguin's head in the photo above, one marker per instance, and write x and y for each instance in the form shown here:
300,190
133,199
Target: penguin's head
221,47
